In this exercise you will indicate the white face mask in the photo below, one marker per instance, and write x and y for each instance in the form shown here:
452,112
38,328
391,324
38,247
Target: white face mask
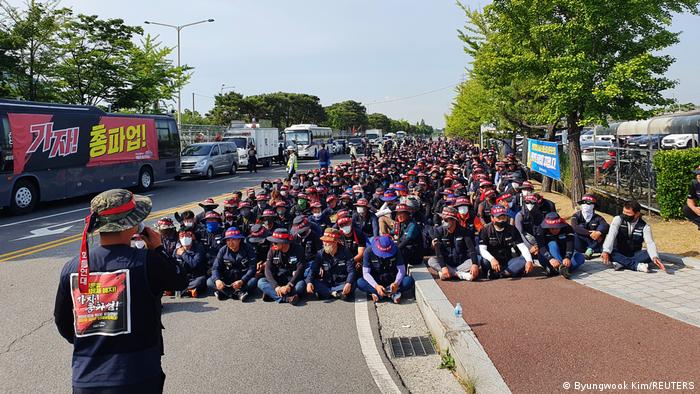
463,210
138,244
283,193
527,192
587,210
530,207
346,229
361,210
317,215
188,224
316,183
186,241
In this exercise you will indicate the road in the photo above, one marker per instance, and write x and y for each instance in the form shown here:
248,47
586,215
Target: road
319,346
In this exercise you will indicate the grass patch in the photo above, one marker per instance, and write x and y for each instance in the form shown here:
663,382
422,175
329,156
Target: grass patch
448,362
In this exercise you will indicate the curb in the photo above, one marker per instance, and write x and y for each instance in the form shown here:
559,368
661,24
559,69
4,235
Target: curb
471,360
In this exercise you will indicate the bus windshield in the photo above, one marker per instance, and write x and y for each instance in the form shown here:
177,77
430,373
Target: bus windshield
297,137
196,150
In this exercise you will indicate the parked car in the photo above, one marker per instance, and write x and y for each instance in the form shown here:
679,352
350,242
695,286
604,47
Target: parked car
587,136
595,150
679,141
644,141
209,158
357,142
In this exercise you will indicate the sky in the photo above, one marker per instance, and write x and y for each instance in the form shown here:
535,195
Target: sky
398,57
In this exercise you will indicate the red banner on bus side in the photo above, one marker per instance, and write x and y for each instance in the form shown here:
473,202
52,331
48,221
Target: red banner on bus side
119,140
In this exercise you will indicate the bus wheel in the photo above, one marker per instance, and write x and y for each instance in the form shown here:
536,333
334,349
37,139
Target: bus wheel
145,179
24,197
234,168
210,173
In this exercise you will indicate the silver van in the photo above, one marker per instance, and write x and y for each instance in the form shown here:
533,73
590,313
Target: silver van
209,158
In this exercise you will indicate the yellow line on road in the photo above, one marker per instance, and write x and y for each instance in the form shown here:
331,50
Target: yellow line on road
72,238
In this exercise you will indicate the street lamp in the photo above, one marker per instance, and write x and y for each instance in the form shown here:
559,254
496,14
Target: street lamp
178,28
223,87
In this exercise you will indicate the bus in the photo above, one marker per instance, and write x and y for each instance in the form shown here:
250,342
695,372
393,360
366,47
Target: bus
400,134
307,139
54,151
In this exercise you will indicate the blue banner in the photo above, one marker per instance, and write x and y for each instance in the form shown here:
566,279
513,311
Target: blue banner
543,157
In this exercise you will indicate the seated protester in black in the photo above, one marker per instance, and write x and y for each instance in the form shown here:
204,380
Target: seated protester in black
269,220
353,239
455,254
213,238
590,228
207,205
556,247
168,235
318,217
407,235
484,209
233,273
309,241
384,271
331,210
246,218
192,259
546,206
333,272
284,269
502,249
257,239
527,221
283,218
364,219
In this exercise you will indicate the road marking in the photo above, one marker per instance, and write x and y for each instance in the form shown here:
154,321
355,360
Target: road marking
376,366
165,181
43,217
45,232
222,180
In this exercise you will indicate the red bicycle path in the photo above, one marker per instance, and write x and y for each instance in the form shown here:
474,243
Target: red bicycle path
542,332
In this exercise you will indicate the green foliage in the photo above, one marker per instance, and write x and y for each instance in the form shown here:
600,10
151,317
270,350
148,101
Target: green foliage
281,108
189,117
448,362
379,121
472,107
674,172
347,115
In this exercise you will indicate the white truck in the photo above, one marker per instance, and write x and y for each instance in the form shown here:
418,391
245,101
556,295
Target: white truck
374,136
307,139
264,139
400,134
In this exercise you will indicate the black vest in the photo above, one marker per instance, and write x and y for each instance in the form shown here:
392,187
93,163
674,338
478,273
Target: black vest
124,344
629,244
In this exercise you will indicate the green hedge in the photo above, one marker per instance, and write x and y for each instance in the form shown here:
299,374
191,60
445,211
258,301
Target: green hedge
674,173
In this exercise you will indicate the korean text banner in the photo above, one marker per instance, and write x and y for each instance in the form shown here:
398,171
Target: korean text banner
543,157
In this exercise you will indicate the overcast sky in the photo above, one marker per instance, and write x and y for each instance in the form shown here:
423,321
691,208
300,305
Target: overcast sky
374,51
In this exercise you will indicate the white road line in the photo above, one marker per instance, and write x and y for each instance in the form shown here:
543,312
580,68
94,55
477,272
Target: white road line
163,181
376,366
44,217
221,180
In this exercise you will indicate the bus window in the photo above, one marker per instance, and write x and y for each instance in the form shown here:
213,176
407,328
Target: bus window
6,158
168,140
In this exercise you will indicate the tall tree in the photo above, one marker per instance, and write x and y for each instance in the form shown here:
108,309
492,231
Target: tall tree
579,57
347,115
95,53
29,48
379,121
228,107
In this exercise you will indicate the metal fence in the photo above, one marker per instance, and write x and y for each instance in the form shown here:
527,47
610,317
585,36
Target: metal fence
191,133
624,173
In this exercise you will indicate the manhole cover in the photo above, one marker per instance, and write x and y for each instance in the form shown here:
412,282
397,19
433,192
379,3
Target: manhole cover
411,346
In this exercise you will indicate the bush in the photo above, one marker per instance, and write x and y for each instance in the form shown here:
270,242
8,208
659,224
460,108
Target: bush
674,173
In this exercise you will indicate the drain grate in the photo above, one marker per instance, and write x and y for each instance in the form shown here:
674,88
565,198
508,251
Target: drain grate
411,346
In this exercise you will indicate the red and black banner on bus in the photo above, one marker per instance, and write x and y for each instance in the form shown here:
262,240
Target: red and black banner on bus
43,141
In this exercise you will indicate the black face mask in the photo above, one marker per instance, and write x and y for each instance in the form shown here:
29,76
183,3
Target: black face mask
628,218
499,225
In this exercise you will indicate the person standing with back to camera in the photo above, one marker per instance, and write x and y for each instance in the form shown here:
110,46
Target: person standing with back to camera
108,299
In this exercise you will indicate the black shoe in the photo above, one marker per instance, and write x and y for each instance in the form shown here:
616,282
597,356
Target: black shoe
266,298
564,271
491,275
243,296
293,299
336,294
220,295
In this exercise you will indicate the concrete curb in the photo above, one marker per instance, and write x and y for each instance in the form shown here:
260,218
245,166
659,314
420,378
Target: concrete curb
471,360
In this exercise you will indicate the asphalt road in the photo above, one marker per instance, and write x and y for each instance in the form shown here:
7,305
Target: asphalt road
211,346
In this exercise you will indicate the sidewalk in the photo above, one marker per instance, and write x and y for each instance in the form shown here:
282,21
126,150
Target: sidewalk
541,332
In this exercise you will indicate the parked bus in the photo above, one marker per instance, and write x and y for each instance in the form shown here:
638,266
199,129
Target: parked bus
307,139
53,151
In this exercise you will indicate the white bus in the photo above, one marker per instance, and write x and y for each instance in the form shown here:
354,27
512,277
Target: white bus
306,138
400,134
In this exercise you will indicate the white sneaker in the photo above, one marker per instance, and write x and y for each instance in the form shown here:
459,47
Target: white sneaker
464,275
617,266
643,267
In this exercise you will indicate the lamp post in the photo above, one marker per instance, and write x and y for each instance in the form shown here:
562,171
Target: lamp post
224,87
178,28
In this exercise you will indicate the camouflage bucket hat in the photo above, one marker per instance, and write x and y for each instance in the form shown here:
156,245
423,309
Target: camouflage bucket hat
129,210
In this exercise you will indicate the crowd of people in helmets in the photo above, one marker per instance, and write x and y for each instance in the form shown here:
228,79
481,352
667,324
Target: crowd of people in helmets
363,223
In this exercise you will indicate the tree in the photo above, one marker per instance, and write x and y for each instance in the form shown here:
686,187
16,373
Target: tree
472,107
228,107
189,117
28,52
379,121
347,115
94,55
580,59
149,77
